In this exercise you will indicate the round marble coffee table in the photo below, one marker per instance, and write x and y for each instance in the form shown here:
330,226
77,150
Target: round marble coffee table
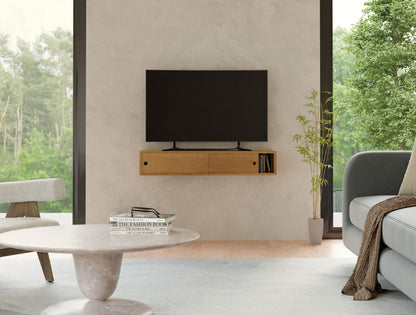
97,258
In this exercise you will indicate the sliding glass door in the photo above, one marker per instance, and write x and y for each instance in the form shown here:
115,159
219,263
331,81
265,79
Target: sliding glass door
368,53
346,14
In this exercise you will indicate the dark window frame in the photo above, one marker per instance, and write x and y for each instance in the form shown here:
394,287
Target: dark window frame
326,61
79,116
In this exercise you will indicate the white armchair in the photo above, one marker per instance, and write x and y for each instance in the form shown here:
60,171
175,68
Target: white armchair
24,213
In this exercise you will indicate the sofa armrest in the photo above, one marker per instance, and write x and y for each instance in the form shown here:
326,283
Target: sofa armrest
372,173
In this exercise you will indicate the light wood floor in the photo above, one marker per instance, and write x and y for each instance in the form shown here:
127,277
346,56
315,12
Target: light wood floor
250,249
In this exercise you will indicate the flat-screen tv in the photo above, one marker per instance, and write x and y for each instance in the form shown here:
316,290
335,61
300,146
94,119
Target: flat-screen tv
206,105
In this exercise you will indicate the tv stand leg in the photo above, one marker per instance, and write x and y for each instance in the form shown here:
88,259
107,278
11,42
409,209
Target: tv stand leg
173,148
239,148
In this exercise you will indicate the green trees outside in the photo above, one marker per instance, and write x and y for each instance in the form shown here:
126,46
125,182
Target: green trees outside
375,81
36,111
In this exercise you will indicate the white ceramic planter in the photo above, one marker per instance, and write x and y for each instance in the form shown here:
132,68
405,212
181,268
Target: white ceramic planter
316,230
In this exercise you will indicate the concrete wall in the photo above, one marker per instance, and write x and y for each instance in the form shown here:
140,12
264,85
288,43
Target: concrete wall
126,37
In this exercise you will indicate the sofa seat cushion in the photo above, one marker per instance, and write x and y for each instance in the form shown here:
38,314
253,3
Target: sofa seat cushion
399,226
11,224
399,232
360,206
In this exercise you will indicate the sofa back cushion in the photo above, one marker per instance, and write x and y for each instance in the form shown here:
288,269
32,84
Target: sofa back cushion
408,186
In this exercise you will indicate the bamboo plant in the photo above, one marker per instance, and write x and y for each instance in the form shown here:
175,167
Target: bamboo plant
314,144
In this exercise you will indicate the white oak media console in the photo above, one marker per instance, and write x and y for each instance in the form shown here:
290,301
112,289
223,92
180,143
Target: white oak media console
208,162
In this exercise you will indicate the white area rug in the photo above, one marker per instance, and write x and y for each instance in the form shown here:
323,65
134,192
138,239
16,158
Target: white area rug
205,286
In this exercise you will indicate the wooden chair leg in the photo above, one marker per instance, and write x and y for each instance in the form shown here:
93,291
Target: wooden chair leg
46,266
23,209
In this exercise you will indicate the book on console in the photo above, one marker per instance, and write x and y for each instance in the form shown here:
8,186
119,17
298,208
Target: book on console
267,168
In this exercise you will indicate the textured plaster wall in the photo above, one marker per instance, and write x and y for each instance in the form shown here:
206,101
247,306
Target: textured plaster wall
126,37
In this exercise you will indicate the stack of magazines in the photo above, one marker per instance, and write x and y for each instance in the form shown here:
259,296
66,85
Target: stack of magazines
141,221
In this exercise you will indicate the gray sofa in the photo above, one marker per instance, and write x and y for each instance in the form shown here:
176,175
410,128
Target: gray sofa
369,178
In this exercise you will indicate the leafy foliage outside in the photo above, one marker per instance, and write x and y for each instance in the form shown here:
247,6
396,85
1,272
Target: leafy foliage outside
36,112
375,81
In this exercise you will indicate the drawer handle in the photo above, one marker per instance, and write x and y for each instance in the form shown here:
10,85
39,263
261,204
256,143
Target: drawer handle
145,163
254,163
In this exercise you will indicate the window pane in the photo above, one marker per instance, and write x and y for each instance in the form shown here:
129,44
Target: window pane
345,14
374,80
36,62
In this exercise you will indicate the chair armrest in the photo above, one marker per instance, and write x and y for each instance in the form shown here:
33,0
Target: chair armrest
32,190
372,173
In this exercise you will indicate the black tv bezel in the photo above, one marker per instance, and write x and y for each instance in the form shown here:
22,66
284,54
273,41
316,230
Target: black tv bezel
232,139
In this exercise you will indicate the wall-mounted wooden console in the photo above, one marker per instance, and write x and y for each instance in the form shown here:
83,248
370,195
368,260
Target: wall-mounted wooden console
207,163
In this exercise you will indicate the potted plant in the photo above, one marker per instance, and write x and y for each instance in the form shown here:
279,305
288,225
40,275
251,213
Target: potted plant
314,144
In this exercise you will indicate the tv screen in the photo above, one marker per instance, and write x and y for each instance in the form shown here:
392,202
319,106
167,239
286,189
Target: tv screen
203,105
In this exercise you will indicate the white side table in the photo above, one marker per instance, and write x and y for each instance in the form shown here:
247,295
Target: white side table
97,257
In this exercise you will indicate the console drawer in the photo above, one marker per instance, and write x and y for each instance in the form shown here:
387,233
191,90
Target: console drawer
173,163
232,163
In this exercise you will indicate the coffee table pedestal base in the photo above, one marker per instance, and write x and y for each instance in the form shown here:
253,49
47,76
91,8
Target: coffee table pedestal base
97,276
107,307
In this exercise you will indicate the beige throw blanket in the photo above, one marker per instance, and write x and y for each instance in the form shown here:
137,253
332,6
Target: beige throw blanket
363,284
